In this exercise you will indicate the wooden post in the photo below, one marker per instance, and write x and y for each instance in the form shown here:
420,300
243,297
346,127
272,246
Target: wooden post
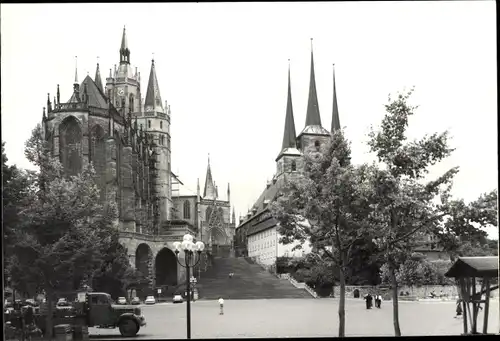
486,281
474,306
463,287
468,286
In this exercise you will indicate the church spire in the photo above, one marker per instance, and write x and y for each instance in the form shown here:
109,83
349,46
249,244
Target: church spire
289,137
153,98
312,117
210,190
97,78
335,109
124,50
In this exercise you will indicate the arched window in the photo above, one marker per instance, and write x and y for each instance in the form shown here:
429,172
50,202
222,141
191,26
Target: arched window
131,103
98,156
187,209
149,123
294,166
70,146
161,125
316,144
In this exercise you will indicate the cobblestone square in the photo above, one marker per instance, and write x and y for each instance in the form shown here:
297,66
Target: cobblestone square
298,318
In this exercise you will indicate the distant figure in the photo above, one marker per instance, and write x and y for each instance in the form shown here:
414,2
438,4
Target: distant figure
378,301
231,274
221,305
369,301
459,308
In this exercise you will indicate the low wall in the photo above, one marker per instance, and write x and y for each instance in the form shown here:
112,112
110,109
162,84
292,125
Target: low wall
447,291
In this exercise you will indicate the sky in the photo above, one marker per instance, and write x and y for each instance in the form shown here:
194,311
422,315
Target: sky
223,69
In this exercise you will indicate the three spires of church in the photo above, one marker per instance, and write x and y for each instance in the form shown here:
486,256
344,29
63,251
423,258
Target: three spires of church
313,117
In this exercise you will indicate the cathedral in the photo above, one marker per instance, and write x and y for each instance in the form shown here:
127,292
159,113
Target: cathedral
127,139
257,236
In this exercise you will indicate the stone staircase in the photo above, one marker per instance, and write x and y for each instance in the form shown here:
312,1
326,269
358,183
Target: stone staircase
250,281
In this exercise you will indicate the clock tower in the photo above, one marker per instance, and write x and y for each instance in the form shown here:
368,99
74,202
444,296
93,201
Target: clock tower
123,88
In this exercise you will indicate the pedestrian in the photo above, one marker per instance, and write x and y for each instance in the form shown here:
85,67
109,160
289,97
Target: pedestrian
221,305
459,308
369,301
379,301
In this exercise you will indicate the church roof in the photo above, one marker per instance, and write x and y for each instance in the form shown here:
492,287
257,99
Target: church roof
289,136
96,97
335,109
290,152
315,130
153,97
97,79
268,195
312,115
210,192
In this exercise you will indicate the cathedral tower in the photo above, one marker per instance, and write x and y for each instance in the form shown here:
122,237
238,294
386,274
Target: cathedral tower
313,133
289,159
156,122
123,88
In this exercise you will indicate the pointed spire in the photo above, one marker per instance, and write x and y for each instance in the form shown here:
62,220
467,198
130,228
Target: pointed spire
58,95
49,105
289,136
210,191
228,192
153,98
44,117
97,78
55,103
76,70
312,116
233,216
198,187
124,50
335,109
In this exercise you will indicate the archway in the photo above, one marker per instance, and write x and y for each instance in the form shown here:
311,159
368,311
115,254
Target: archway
166,268
143,259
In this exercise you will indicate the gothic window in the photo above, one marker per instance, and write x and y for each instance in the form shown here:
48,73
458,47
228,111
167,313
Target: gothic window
70,145
123,102
149,123
316,144
187,210
119,153
161,125
294,166
131,102
98,156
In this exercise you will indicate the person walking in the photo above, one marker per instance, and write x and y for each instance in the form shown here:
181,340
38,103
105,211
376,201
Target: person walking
459,308
379,301
221,305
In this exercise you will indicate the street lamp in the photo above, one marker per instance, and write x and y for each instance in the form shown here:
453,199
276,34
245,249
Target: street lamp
190,260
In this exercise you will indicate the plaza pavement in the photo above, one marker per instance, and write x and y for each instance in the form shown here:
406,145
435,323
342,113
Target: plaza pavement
297,318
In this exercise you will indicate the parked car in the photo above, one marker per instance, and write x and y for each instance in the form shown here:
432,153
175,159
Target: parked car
121,300
150,300
62,302
135,301
177,298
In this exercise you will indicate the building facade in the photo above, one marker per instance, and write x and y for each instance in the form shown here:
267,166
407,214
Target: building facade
127,140
256,235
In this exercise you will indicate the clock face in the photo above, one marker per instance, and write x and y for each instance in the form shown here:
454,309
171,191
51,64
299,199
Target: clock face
121,92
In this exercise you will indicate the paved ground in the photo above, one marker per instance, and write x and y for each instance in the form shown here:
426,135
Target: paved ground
297,318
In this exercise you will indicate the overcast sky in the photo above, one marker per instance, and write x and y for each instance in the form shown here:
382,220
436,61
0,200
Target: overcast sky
223,69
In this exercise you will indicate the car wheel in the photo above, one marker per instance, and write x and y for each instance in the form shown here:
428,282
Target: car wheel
128,327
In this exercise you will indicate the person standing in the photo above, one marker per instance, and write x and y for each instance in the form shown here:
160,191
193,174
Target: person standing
379,301
459,308
221,305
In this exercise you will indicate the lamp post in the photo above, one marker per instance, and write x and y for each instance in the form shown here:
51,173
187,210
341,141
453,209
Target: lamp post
190,260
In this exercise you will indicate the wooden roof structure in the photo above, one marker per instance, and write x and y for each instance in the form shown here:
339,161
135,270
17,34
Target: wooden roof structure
474,267
466,271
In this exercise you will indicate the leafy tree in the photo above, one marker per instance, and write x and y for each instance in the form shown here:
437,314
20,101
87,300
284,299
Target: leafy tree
461,233
402,204
325,205
63,227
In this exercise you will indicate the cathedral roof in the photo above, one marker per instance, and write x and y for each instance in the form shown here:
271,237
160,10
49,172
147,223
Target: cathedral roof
315,130
96,97
153,98
267,195
312,116
335,109
97,79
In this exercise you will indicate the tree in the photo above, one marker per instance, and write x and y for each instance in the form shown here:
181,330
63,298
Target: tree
325,205
461,233
63,229
402,204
